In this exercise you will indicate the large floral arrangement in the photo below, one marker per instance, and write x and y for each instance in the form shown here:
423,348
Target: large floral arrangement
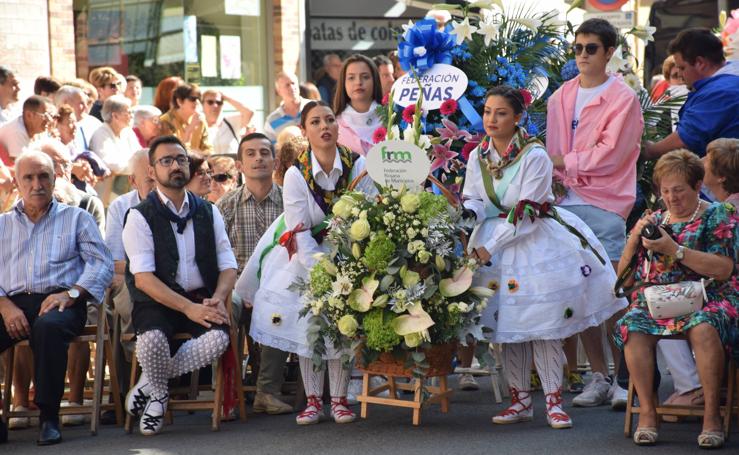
520,48
395,280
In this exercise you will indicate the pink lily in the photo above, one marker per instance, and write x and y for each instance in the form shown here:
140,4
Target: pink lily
451,131
441,156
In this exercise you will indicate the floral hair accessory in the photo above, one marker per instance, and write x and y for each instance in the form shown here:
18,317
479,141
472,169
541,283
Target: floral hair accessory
527,97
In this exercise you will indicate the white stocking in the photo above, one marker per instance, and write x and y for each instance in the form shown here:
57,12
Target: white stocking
338,378
152,352
549,361
517,365
199,352
312,380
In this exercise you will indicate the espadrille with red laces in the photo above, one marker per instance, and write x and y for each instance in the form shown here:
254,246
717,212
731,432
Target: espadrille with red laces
312,412
340,410
520,409
556,417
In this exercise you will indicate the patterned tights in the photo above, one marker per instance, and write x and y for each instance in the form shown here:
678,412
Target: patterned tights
152,352
548,357
338,377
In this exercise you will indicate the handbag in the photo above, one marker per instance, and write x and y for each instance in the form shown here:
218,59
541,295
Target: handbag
667,301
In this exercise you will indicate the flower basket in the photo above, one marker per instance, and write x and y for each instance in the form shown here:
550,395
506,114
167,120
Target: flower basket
439,358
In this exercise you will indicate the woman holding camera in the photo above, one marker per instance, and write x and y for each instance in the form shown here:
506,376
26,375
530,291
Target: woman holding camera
689,241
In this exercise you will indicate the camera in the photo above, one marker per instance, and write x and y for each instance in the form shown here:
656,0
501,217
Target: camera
652,232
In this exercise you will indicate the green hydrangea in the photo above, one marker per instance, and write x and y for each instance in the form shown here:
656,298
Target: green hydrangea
379,252
378,329
320,280
431,206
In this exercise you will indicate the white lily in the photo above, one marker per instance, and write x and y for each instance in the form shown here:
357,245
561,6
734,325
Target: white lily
617,62
486,4
529,22
644,32
632,80
489,30
463,30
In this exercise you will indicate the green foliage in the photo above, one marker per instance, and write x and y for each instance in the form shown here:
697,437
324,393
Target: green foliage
379,252
320,280
378,328
431,206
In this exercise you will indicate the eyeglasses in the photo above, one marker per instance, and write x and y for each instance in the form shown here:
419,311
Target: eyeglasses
221,178
113,86
214,102
675,75
166,161
203,173
194,99
590,48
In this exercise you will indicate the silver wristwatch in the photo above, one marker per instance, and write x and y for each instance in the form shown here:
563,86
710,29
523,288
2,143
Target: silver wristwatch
73,293
680,253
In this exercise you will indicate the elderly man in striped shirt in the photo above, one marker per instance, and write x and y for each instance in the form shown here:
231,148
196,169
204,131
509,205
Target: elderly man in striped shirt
53,260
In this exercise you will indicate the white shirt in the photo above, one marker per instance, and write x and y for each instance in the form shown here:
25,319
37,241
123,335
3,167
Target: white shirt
115,151
114,223
138,243
584,97
10,112
301,208
226,140
86,128
14,137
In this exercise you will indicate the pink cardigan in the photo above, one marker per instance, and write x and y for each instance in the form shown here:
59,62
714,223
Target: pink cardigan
600,166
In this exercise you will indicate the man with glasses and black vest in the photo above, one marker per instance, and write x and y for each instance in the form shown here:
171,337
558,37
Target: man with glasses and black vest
594,128
177,284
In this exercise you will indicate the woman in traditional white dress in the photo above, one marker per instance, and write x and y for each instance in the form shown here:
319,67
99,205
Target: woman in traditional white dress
287,251
358,93
552,276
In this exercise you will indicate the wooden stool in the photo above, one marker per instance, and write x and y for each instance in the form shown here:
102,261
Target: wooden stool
97,334
214,405
439,394
731,407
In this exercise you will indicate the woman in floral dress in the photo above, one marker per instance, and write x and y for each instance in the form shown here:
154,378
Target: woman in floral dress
702,245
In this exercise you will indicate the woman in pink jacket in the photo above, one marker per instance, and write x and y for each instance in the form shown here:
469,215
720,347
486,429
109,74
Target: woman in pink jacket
358,94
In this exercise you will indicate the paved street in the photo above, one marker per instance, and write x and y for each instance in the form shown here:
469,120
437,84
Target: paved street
465,430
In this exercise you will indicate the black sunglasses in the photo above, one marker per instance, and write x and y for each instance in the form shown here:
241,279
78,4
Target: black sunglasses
221,178
590,48
193,98
214,102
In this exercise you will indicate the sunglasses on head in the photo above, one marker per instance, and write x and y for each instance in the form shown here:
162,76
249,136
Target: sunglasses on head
214,102
221,178
590,48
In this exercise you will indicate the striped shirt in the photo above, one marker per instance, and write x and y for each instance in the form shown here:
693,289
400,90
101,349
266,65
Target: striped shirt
62,249
247,219
114,223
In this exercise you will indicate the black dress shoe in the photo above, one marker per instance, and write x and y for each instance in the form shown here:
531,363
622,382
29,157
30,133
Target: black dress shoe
3,432
49,433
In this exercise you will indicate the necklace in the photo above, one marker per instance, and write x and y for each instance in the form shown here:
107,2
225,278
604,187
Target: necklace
692,217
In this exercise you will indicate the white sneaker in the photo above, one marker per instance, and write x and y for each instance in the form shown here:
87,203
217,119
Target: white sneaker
71,420
468,382
619,397
138,396
595,392
152,419
353,391
19,423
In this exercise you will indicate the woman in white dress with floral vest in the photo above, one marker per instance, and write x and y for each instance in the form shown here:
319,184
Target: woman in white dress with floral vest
287,251
551,274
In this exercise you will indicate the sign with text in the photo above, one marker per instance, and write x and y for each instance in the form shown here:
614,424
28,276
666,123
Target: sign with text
335,34
619,19
442,82
396,163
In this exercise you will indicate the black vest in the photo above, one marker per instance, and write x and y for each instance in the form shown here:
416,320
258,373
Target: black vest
166,256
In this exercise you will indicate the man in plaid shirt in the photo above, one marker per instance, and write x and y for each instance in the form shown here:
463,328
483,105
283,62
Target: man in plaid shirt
247,213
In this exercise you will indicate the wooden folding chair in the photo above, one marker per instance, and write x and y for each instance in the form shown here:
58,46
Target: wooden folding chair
97,334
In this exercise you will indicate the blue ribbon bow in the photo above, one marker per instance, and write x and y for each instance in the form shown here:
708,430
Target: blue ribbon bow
424,36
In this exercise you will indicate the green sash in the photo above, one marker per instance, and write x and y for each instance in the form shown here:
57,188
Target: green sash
496,194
